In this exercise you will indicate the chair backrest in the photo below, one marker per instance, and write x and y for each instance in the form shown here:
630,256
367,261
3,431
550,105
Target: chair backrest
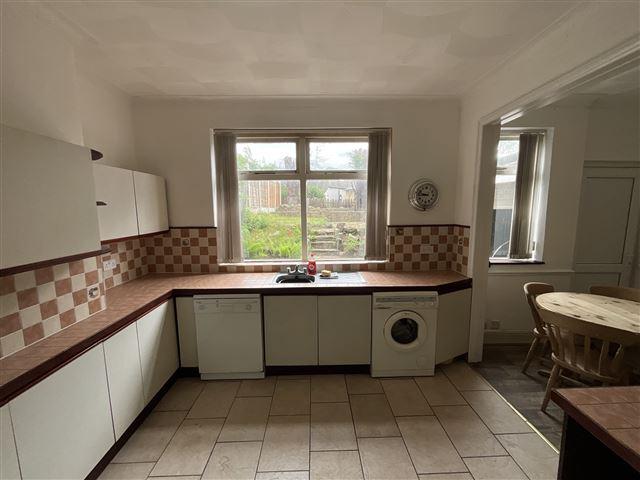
531,291
601,359
624,293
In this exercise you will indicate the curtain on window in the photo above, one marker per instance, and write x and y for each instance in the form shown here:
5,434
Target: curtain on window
520,245
227,202
378,194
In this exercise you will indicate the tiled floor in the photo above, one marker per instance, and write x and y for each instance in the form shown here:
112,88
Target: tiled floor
451,426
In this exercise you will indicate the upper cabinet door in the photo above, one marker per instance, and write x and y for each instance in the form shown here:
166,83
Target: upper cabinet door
114,186
151,203
47,199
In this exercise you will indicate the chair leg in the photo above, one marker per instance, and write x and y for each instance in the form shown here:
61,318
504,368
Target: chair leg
552,382
530,353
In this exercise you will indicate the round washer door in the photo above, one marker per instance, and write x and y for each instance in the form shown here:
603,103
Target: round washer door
405,331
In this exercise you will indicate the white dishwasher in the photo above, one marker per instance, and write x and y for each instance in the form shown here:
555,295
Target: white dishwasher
229,336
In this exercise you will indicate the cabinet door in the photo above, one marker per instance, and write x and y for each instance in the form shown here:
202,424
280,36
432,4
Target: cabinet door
158,346
63,424
291,330
344,330
47,199
452,334
151,203
9,469
125,377
114,186
187,332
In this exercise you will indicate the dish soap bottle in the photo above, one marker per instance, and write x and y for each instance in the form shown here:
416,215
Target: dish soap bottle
311,265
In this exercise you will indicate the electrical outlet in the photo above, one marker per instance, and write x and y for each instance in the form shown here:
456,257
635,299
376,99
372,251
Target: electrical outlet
185,242
109,264
460,241
426,248
93,292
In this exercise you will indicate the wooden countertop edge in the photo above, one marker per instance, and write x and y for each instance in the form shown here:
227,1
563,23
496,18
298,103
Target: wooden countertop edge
25,381
623,451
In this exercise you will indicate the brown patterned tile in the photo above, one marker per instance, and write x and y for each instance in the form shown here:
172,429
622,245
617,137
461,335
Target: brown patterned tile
44,275
49,309
76,268
92,277
63,286
67,318
79,297
27,298
33,333
9,324
7,285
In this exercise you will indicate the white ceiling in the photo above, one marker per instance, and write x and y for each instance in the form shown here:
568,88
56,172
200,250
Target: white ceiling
299,48
616,90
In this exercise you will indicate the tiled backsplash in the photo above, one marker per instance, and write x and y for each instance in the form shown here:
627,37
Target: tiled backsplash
38,303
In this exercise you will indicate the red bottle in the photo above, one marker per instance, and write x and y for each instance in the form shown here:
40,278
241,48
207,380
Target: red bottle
311,265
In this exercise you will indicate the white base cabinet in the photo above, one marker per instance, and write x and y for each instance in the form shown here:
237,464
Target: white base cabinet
187,332
9,468
344,330
452,334
63,424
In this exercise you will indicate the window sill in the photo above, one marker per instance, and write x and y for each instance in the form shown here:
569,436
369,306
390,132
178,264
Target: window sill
300,262
508,261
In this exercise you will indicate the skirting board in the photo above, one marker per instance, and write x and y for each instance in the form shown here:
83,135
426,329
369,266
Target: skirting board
507,337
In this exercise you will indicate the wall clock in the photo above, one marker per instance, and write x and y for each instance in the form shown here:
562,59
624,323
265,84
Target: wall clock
423,195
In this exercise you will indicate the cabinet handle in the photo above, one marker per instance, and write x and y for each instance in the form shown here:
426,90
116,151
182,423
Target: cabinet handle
100,203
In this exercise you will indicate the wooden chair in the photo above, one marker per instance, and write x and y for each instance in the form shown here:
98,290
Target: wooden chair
599,358
531,291
624,293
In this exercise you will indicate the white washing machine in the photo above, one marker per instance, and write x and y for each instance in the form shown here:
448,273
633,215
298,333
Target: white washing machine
403,333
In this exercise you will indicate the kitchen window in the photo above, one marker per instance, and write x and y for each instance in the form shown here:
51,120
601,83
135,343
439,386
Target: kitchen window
519,203
300,194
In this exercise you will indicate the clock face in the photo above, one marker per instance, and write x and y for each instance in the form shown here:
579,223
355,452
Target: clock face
423,195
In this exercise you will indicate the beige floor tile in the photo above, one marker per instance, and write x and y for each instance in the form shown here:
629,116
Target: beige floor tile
282,476
215,400
291,397
149,441
385,458
247,420
495,412
262,387
126,471
446,476
181,395
467,432
233,461
438,390
328,388
335,465
284,378
362,384
286,444
494,468
538,460
189,449
405,397
332,427
185,477
428,445
464,378
372,416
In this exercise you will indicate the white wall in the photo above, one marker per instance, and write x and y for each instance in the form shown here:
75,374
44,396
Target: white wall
613,133
173,140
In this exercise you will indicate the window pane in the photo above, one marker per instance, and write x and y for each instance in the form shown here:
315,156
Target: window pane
270,219
504,196
261,156
334,156
336,218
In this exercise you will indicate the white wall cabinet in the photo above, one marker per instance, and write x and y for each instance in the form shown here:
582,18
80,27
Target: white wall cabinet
344,330
63,424
187,332
124,373
151,202
158,348
291,330
452,334
9,468
47,199
114,186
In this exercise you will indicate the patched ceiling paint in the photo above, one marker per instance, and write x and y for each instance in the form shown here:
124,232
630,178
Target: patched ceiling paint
299,48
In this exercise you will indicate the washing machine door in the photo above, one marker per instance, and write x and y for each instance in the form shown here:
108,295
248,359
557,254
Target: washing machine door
405,331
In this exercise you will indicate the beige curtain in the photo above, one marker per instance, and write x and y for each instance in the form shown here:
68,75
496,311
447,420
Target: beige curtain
227,203
378,194
520,246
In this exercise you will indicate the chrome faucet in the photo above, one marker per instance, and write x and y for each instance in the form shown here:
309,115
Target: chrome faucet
297,270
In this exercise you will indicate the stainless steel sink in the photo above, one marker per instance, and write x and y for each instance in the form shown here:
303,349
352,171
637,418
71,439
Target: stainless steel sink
294,278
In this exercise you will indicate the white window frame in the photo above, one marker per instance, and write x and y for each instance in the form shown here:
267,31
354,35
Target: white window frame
303,171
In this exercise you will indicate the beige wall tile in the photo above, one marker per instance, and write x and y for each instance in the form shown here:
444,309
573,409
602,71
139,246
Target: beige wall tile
189,449
286,444
149,441
405,397
291,397
385,458
428,445
182,395
495,412
332,427
328,388
247,420
538,460
362,384
215,400
438,390
467,432
334,465
464,378
372,416
282,476
233,461
126,471
262,387
494,468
